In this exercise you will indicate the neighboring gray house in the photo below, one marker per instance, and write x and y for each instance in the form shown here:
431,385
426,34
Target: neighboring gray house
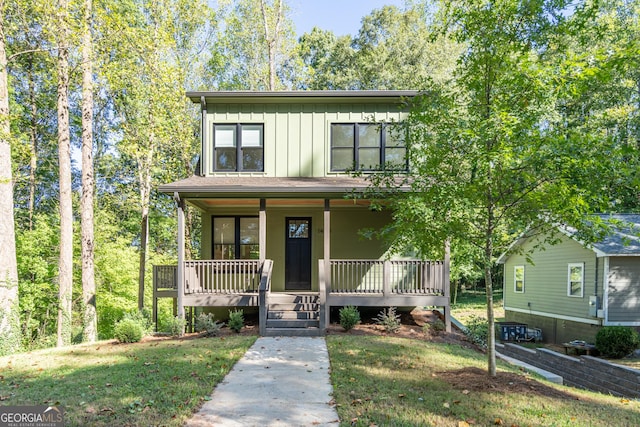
571,289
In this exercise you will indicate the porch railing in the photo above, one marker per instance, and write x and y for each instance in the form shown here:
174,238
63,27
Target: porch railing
387,277
221,276
165,277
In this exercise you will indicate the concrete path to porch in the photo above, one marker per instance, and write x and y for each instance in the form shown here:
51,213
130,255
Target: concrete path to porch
280,381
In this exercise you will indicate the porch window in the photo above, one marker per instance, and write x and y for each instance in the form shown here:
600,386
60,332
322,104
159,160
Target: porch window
575,285
238,147
367,147
235,237
518,279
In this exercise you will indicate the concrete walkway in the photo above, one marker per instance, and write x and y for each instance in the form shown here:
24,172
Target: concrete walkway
280,381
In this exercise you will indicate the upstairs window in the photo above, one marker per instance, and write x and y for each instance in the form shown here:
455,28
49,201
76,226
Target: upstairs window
367,147
238,147
575,285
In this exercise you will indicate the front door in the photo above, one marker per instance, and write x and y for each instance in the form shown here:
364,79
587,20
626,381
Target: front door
298,254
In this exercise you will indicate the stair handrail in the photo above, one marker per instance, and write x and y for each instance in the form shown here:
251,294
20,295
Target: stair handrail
263,294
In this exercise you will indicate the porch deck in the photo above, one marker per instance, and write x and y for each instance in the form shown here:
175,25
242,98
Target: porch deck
370,283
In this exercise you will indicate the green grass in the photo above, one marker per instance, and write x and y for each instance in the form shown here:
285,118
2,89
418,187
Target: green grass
474,304
397,382
158,382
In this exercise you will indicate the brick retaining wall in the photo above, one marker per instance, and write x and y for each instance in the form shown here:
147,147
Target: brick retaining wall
586,372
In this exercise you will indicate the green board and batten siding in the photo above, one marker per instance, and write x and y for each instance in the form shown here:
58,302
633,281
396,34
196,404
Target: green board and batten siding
545,288
296,135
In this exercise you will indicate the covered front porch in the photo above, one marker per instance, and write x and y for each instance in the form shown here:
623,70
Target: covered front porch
298,252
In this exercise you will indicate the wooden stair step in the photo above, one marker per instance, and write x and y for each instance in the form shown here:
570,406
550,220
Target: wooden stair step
292,323
284,314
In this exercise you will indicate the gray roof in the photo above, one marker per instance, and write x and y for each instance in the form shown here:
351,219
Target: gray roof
311,95
624,238
261,186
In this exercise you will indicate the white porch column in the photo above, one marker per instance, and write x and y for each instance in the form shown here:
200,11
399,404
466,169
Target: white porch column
262,230
180,277
325,308
447,284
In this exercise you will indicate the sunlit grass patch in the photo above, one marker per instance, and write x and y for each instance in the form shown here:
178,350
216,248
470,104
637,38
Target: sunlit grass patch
157,382
399,382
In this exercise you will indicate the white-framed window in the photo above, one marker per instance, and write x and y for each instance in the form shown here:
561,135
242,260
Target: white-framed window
238,147
575,279
368,147
518,279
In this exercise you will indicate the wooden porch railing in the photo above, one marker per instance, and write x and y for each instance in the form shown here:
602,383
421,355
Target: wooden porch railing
263,295
221,276
387,277
165,277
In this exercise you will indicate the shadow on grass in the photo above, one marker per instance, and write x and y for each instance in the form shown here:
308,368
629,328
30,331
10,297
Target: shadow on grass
391,381
153,383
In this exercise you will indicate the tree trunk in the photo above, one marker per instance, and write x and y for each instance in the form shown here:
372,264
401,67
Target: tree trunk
272,38
488,283
9,309
90,322
33,158
65,266
144,176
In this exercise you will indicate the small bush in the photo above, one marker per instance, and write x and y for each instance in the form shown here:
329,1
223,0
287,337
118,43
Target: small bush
349,317
206,323
236,320
142,318
436,327
176,326
616,341
478,330
128,330
389,319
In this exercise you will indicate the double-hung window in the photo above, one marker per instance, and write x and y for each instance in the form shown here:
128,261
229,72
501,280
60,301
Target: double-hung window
518,278
235,237
238,147
575,280
368,147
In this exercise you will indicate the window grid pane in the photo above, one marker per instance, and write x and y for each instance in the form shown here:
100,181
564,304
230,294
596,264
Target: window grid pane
576,279
238,147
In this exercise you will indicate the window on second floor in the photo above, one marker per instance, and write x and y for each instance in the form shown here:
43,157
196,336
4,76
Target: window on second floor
238,147
367,147
575,285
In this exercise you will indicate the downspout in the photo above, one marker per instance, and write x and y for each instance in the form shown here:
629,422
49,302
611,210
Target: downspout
203,136
605,296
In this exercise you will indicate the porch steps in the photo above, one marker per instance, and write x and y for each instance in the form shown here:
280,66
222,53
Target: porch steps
293,314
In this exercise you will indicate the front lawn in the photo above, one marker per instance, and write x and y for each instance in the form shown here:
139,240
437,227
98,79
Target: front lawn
158,382
470,304
400,382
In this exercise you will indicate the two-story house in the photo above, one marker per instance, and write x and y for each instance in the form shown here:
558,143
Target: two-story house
281,229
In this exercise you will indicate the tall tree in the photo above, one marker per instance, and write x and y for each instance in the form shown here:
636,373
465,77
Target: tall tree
86,202
490,156
243,58
9,312
65,264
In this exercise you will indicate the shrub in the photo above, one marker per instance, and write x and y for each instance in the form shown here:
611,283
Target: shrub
128,330
389,319
616,341
176,326
349,317
478,330
236,320
206,323
142,318
436,327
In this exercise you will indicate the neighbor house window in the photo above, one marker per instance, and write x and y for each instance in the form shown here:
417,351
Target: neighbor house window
367,147
238,147
235,237
575,285
518,278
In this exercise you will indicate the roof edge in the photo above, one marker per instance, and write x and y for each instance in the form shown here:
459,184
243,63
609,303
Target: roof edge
195,96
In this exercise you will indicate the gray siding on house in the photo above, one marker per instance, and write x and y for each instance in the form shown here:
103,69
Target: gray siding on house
296,135
624,290
545,289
